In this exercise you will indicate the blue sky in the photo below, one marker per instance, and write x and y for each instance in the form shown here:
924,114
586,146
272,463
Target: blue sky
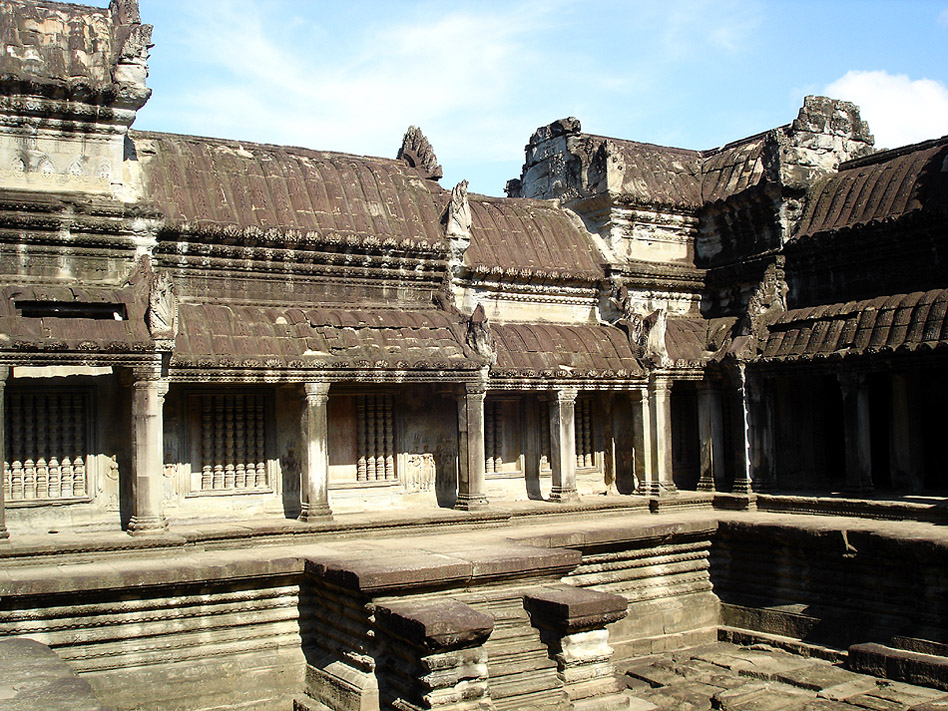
479,78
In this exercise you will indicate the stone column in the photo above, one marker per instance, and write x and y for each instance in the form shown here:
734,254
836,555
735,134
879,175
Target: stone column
710,435
148,399
905,433
743,478
609,473
760,435
4,372
642,441
659,401
572,623
856,427
472,490
314,431
563,446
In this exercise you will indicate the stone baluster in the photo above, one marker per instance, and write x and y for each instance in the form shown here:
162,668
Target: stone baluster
435,656
79,416
642,441
29,434
218,482
260,440
314,434
4,372
544,434
67,463
588,455
563,446
230,470
380,438
16,465
42,446
207,444
240,443
659,397
855,389
490,435
361,440
710,435
370,472
148,395
389,440
54,481
572,623
471,485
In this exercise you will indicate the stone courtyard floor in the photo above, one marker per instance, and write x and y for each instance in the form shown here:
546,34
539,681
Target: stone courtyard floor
762,678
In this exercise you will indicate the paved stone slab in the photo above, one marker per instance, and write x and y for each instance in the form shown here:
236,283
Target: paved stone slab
936,705
762,696
683,696
757,662
816,676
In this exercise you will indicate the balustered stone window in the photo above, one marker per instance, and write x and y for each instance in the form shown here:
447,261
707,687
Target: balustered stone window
502,426
583,435
229,443
48,436
375,438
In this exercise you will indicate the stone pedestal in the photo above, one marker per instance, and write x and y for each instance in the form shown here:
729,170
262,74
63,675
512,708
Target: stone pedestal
572,623
4,533
314,431
434,656
148,397
563,446
856,427
472,490
710,435
659,399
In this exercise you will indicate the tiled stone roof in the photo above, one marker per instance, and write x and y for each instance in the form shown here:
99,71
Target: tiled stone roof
882,187
232,184
563,351
280,337
658,174
696,340
899,323
530,237
732,169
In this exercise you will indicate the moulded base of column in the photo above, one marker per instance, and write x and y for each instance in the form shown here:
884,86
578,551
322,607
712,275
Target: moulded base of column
4,535
564,496
706,484
310,513
662,489
147,526
471,503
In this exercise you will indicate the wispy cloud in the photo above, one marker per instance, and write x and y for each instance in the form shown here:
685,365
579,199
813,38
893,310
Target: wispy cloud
899,109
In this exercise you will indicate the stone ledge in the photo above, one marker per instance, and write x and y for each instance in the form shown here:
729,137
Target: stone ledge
899,665
437,625
569,609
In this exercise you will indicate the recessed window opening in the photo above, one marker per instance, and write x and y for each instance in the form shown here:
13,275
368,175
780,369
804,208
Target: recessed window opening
71,309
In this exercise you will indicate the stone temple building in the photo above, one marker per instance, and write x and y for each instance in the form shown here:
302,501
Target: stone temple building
198,331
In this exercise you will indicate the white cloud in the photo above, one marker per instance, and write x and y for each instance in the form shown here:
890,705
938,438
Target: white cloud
899,109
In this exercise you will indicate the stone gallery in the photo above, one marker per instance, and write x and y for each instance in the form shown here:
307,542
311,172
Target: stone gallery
284,427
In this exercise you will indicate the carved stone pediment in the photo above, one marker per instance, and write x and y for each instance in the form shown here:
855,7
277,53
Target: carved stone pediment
418,153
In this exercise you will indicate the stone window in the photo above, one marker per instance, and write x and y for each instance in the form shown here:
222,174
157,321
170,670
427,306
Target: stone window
48,436
502,437
375,438
229,443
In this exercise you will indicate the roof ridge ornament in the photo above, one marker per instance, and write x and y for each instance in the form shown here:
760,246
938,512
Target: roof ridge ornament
417,151
458,219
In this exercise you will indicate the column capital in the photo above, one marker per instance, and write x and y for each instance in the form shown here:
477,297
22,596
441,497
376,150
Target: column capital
316,389
475,390
851,379
660,382
566,394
